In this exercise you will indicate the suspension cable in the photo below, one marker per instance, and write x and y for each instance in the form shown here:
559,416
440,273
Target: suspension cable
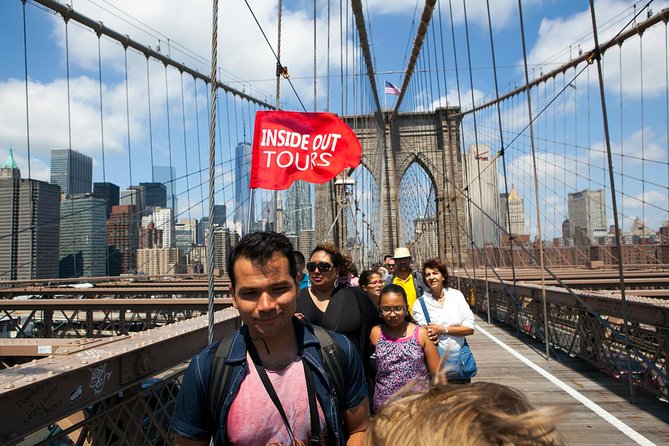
148,91
502,155
614,201
536,185
212,167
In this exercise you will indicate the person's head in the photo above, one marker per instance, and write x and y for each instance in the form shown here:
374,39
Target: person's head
326,264
371,282
389,263
480,413
435,275
402,258
393,305
300,262
263,282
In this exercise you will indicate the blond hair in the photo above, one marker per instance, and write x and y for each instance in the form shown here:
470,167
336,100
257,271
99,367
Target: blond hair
481,413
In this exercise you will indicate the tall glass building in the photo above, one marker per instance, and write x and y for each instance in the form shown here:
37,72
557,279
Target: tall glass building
243,193
83,237
108,192
167,176
72,171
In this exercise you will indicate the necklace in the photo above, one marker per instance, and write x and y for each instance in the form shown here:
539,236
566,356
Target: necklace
393,335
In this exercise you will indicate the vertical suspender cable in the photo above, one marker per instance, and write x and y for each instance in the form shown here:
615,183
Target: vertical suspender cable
199,149
102,127
183,121
212,166
462,136
536,184
67,69
30,183
127,111
643,145
478,163
169,141
315,52
327,90
278,206
598,58
148,92
666,111
503,153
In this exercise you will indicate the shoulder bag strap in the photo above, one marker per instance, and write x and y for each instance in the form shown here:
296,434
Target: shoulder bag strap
425,312
269,388
315,437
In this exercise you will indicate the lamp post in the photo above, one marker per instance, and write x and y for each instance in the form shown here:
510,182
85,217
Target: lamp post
343,187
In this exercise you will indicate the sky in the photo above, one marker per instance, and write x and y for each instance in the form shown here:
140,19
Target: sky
176,132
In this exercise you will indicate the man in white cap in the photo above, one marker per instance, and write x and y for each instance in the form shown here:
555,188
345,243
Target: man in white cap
404,276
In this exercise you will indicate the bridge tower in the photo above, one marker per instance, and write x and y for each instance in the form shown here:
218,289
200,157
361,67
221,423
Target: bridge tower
431,139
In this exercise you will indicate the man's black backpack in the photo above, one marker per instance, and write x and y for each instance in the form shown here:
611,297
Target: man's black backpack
219,380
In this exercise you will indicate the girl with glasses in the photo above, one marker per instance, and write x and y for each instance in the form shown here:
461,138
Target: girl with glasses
331,304
404,352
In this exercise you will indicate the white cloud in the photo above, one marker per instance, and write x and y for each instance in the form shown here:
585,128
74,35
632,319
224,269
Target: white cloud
48,106
561,39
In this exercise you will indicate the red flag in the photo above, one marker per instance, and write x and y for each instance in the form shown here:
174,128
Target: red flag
289,146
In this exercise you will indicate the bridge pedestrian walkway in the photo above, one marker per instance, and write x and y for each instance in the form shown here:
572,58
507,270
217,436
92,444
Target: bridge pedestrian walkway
598,410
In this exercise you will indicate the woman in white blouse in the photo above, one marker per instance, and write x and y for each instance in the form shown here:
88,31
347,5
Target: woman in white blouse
449,317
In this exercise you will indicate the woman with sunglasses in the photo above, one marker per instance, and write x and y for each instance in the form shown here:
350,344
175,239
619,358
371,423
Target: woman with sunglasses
404,352
333,305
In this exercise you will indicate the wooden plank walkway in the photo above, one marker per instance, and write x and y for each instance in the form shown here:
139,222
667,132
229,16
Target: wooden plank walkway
647,419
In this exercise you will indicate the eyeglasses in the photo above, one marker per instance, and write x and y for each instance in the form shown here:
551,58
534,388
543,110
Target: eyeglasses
376,282
323,267
396,310
390,265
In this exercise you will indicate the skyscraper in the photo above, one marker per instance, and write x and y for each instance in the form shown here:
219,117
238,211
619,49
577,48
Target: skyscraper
72,171
185,235
298,208
220,220
481,180
83,237
167,176
154,195
122,240
163,218
132,197
587,215
108,192
29,225
516,212
243,193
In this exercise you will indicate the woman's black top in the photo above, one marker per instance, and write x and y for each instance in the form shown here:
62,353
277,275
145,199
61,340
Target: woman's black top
350,313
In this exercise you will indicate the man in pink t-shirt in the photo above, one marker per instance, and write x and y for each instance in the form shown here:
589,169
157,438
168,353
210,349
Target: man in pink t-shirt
278,383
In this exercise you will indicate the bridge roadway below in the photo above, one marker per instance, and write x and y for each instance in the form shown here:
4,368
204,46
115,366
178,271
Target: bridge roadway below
597,407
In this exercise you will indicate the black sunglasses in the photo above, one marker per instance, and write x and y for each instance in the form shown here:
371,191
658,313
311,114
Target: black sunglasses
323,267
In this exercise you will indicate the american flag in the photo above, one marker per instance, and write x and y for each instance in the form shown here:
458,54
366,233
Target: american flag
391,89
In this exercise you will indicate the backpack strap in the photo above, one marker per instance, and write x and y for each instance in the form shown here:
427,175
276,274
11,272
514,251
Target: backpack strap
333,361
426,314
219,379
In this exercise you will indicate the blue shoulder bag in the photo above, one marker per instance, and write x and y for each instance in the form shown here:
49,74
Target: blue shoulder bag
466,365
